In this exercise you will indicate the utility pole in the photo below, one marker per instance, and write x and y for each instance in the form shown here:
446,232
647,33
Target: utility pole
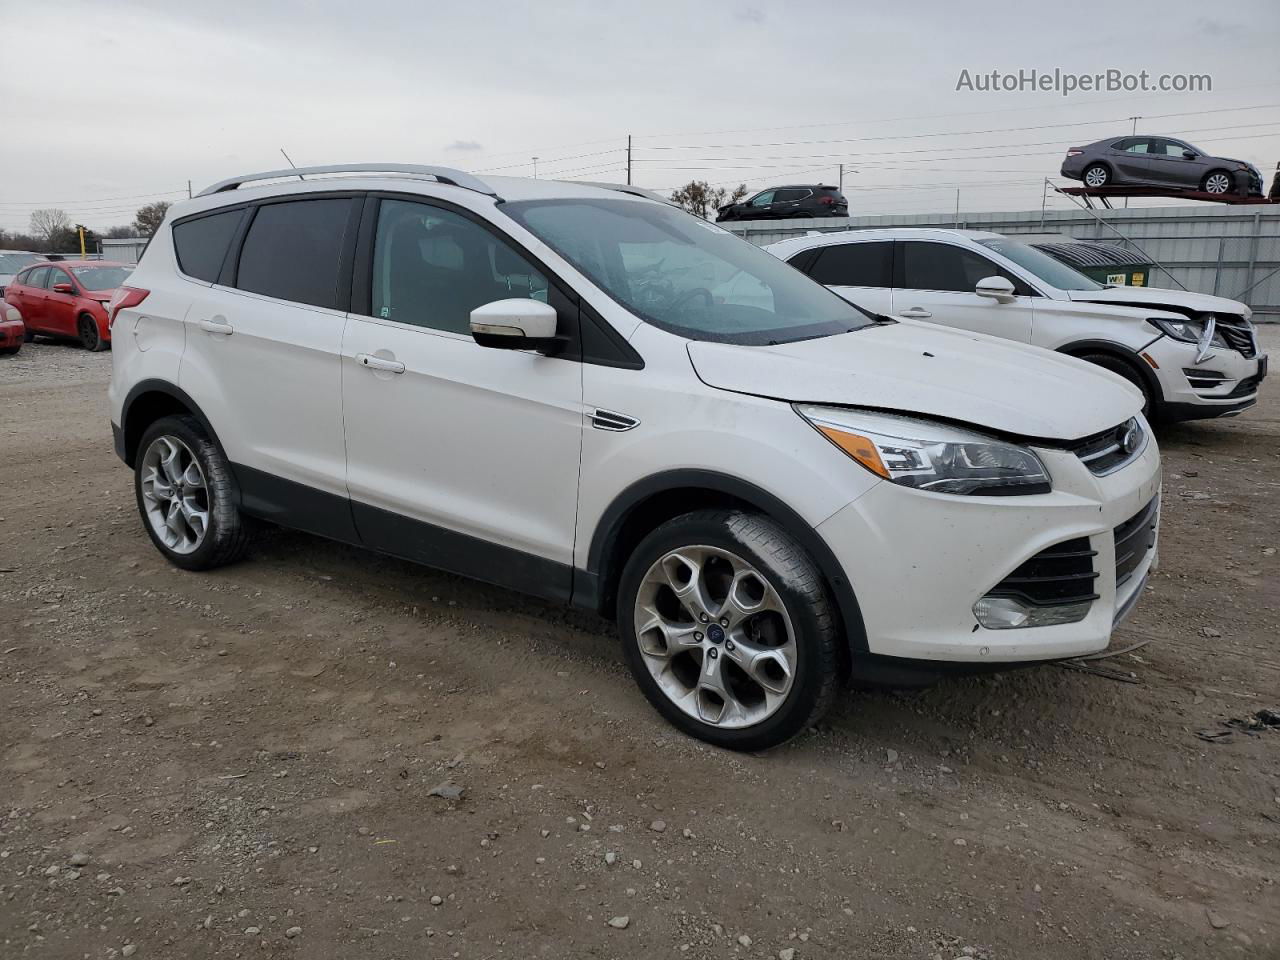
628,159
841,180
188,189
80,230
535,168
957,208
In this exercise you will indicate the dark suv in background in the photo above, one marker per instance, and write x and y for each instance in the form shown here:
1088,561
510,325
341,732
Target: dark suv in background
779,203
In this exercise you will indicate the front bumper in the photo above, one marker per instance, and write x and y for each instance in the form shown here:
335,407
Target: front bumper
917,562
1237,379
12,333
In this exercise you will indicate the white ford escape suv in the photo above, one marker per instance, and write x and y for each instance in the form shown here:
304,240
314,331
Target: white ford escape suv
595,397
1193,356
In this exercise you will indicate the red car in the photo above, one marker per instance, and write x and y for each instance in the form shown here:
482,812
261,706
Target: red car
68,298
12,329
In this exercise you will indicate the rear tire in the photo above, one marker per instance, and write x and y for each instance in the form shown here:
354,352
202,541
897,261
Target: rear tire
764,663
5,351
1125,369
90,335
1096,175
187,496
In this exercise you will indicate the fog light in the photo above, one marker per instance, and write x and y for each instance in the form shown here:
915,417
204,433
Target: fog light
1006,613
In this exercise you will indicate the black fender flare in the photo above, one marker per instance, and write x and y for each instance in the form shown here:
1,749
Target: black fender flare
1120,352
127,438
604,567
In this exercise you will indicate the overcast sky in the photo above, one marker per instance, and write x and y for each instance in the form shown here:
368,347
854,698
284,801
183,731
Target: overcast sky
107,105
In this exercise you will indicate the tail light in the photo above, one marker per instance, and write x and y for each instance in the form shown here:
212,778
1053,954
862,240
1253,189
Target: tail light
826,201
1074,152
124,297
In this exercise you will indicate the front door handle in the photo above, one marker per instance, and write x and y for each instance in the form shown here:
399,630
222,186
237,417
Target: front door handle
916,313
217,325
378,363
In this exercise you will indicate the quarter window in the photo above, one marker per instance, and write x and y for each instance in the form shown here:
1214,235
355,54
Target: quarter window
941,266
432,267
292,250
201,244
853,264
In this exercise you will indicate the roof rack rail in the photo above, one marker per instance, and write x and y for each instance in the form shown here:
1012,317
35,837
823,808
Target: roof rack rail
624,188
449,175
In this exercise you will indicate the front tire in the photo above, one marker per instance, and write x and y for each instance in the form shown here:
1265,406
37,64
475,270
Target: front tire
1096,175
1217,182
1126,370
90,335
187,496
728,629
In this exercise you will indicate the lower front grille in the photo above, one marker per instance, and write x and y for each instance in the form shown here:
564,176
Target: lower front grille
1058,575
1134,538
1246,387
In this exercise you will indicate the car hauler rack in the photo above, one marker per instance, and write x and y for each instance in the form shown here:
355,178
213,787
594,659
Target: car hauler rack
1104,194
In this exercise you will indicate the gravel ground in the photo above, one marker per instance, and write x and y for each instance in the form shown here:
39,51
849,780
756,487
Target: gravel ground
324,753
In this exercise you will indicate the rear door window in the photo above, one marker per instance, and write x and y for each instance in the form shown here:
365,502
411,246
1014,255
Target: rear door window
201,244
786,196
37,278
864,264
292,251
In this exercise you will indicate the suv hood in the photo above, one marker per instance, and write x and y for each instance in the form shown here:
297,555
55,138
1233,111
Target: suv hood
929,370
1179,300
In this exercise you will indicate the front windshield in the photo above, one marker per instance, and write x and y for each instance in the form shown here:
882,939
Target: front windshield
686,275
1051,271
101,278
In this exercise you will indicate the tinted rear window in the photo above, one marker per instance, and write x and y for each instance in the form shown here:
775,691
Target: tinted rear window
201,244
853,264
292,250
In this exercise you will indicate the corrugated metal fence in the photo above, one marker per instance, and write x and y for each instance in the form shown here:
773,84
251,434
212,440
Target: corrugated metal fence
1228,251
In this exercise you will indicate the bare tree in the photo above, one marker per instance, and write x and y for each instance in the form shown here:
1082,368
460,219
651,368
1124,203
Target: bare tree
48,224
121,232
148,219
702,200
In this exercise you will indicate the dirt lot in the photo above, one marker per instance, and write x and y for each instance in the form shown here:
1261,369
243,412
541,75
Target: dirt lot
241,763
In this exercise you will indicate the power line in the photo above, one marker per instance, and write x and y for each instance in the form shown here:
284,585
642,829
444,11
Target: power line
970,113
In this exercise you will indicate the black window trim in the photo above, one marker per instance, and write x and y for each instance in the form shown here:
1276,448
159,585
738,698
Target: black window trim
601,346
900,264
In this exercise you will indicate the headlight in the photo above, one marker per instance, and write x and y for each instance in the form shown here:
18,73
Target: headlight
1188,331
930,456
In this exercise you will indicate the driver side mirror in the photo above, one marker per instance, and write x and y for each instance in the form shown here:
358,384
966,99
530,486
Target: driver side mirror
1188,154
63,288
515,324
996,288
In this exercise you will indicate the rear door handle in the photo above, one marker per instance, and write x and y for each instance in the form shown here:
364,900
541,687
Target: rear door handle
916,313
378,363
218,326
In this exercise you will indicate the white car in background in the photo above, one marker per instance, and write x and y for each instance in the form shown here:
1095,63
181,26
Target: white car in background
1193,356
600,399
12,262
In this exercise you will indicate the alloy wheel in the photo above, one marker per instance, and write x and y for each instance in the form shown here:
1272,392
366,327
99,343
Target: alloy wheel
715,636
1217,183
175,495
89,333
1095,177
